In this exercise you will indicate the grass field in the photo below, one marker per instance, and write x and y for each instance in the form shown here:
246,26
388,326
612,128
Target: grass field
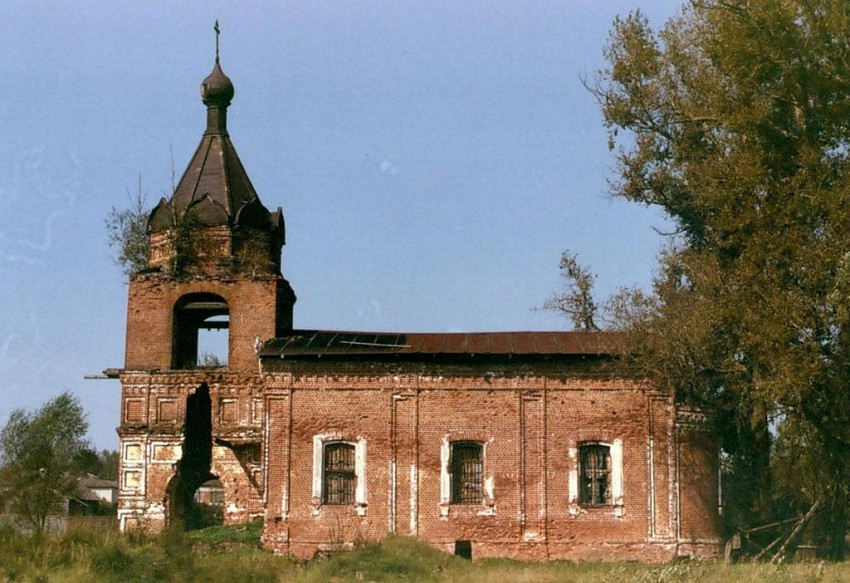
232,554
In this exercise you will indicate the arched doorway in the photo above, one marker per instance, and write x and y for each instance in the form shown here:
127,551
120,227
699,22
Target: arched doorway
193,470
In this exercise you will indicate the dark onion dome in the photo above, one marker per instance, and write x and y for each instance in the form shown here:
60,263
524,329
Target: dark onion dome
215,189
217,88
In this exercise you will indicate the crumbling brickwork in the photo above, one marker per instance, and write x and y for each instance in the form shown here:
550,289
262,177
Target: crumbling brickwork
154,422
531,418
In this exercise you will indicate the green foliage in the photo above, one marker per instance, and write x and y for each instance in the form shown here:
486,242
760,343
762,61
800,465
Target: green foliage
236,533
209,360
40,457
103,463
108,464
189,241
732,118
253,254
127,230
85,555
396,558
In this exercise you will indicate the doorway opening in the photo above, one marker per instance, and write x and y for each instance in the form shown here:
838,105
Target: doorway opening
463,549
193,470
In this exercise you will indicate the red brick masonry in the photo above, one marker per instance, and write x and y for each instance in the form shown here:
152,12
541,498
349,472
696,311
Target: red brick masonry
531,415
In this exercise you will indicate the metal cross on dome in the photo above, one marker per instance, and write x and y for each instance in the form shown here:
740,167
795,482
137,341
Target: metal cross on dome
217,34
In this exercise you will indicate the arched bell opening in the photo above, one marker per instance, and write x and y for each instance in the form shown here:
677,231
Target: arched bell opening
201,331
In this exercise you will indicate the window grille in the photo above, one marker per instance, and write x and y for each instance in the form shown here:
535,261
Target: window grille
217,497
339,474
595,474
467,472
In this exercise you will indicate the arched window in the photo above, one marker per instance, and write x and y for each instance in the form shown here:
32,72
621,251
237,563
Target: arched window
201,331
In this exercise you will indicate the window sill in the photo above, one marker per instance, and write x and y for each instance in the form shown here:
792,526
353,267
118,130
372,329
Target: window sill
358,507
617,510
484,509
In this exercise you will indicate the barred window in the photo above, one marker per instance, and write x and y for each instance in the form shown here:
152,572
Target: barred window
467,472
595,474
339,473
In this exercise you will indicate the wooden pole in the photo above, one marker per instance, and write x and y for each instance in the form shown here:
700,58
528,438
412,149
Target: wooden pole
781,552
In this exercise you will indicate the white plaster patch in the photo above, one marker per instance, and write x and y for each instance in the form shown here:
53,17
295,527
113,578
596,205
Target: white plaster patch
617,472
445,477
490,487
166,452
414,493
360,475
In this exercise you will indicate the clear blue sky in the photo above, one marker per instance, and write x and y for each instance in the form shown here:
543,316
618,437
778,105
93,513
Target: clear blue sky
433,159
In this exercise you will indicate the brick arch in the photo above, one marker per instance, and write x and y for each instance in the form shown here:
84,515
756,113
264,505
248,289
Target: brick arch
590,434
469,434
193,312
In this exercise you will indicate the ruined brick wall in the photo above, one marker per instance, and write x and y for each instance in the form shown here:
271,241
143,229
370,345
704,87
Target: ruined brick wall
150,316
153,419
530,419
212,249
154,397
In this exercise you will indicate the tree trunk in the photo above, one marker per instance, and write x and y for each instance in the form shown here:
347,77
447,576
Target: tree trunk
760,451
836,521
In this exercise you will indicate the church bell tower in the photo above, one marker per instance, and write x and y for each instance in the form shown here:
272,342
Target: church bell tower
191,416
214,260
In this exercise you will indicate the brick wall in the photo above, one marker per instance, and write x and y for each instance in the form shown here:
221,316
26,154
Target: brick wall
150,316
153,416
698,471
530,418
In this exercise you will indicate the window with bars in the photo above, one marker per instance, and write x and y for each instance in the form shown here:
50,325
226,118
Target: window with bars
338,473
467,472
595,474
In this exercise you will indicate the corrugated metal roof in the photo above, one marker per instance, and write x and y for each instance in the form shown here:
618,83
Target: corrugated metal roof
91,481
317,343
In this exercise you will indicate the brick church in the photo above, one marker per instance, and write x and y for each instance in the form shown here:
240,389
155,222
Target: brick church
515,444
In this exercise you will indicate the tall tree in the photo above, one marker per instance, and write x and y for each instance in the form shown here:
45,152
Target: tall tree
103,463
733,118
40,459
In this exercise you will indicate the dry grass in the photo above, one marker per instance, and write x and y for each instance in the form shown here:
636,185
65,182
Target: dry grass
405,559
231,554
